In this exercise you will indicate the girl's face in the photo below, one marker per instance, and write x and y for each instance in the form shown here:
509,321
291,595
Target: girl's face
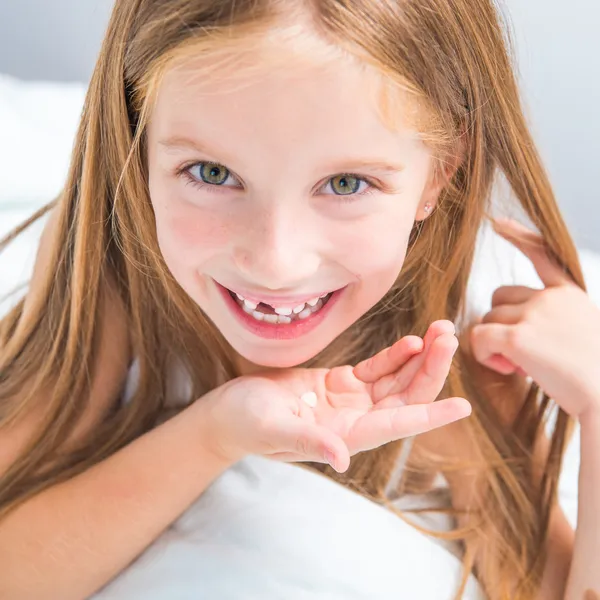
283,190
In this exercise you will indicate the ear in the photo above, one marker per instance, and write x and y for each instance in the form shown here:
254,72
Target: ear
440,176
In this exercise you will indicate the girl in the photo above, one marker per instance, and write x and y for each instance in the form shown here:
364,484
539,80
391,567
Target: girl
285,197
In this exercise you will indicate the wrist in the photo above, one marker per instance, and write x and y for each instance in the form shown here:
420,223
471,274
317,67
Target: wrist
212,427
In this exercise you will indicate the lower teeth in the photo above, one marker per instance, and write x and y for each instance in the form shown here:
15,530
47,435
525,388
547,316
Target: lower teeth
276,319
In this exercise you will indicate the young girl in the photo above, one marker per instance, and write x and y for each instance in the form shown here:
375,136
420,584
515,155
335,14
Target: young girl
285,197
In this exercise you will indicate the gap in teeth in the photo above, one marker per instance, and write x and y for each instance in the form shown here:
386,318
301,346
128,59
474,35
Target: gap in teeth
281,315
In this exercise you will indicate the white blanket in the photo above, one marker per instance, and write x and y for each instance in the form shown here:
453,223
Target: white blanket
268,530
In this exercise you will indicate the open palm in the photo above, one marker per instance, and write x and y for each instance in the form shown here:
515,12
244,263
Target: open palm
384,398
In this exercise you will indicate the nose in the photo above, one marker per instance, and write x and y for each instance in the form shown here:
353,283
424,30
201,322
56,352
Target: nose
277,249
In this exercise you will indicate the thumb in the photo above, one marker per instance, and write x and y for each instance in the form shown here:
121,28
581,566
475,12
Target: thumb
311,442
490,340
502,365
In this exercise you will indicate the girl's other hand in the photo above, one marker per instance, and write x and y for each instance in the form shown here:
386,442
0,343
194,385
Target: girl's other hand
385,398
550,334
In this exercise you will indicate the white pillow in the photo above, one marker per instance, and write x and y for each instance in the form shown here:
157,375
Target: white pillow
38,121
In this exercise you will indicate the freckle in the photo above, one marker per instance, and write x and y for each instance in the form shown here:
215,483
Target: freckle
310,398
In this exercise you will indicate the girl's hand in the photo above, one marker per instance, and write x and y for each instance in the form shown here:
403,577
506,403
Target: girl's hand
385,398
552,335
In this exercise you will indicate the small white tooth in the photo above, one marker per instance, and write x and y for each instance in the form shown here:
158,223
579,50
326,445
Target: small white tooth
283,311
305,313
313,301
250,305
258,315
310,398
317,306
240,296
298,309
246,308
284,320
323,296
271,319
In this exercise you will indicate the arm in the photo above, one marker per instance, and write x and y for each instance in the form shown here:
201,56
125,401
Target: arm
585,574
560,552
73,538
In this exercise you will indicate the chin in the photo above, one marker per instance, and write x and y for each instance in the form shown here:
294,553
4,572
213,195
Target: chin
276,358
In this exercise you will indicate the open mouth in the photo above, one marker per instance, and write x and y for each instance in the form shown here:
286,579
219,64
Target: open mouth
280,323
280,316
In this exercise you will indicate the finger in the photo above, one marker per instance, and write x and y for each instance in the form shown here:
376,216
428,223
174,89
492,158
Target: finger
507,314
399,377
384,363
381,426
311,441
495,338
389,359
502,365
513,294
424,383
291,457
533,246
402,377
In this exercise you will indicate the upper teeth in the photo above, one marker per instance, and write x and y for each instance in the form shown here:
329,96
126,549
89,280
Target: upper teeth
281,310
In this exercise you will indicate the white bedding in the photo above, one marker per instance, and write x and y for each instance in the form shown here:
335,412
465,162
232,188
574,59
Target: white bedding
38,121
263,530
268,530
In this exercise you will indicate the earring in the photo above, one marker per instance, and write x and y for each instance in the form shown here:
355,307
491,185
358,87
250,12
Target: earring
427,207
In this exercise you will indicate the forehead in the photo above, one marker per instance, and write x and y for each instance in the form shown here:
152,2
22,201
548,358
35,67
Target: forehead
256,95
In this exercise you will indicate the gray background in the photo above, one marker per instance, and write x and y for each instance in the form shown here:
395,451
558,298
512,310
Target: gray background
558,59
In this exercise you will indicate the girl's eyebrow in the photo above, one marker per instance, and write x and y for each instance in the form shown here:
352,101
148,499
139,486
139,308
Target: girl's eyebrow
177,143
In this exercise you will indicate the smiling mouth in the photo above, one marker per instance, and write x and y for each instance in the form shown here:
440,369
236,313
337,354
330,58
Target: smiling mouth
278,316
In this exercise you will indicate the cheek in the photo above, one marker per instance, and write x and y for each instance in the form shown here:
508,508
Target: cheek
188,236
378,247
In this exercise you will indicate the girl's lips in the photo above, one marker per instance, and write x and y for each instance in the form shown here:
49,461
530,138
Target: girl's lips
272,331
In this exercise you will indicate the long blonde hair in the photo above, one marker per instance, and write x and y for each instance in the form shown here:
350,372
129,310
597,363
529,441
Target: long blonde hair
451,57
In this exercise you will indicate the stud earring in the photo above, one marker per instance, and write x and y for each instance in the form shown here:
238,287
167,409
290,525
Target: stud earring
427,208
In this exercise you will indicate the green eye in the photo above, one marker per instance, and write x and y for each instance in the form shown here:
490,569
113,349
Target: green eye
213,173
347,184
